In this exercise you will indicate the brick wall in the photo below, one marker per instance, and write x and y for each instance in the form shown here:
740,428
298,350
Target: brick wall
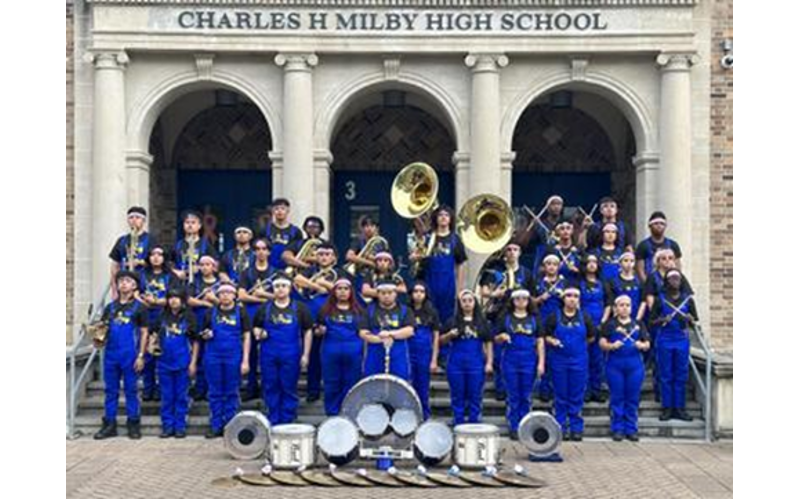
721,271
70,161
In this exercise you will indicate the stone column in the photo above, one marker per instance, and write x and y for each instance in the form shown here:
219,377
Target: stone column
137,164
298,130
276,164
506,174
646,165
322,189
461,163
109,195
675,139
485,175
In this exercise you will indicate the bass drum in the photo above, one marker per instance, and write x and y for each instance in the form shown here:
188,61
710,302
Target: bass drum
337,440
540,433
247,435
384,389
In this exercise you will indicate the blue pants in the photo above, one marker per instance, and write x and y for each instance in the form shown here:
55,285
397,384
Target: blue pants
546,384
625,376
315,366
569,381
280,372
116,368
341,370
466,390
149,376
597,361
421,357
519,389
673,371
497,365
200,382
224,377
174,398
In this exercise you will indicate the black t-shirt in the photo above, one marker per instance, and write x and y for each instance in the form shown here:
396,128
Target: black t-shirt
295,309
498,275
426,316
253,275
169,321
647,248
244,318
654,285
614,324
202,248
286,236
469,329
442,246
236,260
119,252
200,285
157,284
378,318
139,317
517,325
550,323
659,311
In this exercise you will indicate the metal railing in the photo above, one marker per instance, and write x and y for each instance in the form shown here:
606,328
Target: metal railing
704,381
79,346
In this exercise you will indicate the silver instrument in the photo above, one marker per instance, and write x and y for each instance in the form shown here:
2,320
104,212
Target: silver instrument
247,435
337,440
540,433
433,442
373,420
404,422
292,446
476,445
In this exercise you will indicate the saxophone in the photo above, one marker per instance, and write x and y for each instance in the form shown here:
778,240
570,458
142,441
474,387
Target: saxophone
367,251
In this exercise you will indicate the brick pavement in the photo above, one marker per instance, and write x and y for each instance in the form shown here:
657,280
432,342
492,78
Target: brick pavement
152,468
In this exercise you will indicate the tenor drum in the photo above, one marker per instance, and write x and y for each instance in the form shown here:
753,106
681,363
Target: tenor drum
404,422
247,435
337,440
433,442
292,446
476,445
373,420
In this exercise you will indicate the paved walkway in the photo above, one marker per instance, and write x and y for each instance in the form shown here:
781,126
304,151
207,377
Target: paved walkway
152,468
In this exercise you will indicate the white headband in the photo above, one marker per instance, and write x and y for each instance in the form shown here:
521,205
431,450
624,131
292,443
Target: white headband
520,293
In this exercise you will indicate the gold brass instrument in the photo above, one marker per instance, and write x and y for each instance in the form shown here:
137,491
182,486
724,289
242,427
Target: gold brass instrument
326,274
487,303
133,247
485,223
189,256
369,250
99,333
154,344
308,250
414,196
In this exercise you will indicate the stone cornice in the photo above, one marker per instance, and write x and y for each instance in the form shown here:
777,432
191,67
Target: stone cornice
411,3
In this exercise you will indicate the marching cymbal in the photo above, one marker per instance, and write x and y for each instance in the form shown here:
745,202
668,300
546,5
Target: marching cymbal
478,478
320,478
415,479
447,480
519,480
289,478
225,482
350,478
257,479
382,478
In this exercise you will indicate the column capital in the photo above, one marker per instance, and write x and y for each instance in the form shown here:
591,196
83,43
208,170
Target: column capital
486,63
676,61
647,160
461,160
116,59
297,61
138,160
322,159
507,160
276,158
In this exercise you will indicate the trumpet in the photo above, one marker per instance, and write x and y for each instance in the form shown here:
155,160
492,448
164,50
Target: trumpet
308,250
369,250
414,196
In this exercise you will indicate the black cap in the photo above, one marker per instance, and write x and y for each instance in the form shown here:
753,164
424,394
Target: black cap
138,210
127,273
281,202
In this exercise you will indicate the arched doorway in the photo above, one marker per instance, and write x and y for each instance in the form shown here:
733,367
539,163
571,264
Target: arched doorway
577,145
383,132
210,153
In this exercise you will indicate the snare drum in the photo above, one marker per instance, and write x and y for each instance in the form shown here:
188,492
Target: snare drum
337,439
476,445
247,435
292,446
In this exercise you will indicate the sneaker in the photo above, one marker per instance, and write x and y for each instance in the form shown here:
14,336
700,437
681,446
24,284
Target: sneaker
166,434
109,429
134,429
681,414
617,437
180,434
633,437
666,414
576,437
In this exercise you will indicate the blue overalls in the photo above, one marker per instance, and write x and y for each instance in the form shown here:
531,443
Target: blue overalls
630,288
230,263
568,365
649,264
120,355
465,375
519,368
421,354
252,276
156,285
440,277
315,301
342,350
280,363
279,241
181,263
200,312
625,373
573,258
520,277
375,360
651,357
547,308
176,354
609,263
140,252
672,352
593,302
223,360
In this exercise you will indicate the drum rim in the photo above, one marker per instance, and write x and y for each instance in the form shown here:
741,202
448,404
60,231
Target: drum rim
476,429
293,429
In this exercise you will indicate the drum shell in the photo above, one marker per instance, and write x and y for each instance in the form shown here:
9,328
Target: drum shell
292,446
338,459
476,445
540,433
258,426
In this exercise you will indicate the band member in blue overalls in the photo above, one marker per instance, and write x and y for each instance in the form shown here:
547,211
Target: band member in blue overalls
674,312
338,324
627,283
647,248
283,330
316,283
365,260
609,253
548,295
153,285
386,329
202,296
624,339
594,302
523,355
313,227
610,211
470,358
542,233
383,271
424,345
188,251
282,234
128,256
568,333
176,331
255,288
568,254
124,355
237,260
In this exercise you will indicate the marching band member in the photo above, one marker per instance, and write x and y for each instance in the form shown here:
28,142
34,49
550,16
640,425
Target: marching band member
383,271
674,312
338,324
624,339
470,358
424,345
187,251
237,260
283,328
647,248
176,329
313,227
255,288
363,262
386,328
594,303
124,355
610,211
281,233
543,232
154,282
203,296
569,256
523,355
549,290
130,250
568,333
609,252
627,283
226,335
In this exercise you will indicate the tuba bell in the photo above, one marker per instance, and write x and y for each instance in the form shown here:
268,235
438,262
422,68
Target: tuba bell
485,223
414,196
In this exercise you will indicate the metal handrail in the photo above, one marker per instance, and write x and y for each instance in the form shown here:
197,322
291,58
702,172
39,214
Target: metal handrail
704,381
76,380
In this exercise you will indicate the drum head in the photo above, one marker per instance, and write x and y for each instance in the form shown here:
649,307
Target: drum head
384,389
247,435
373,420
476,429
404,422
540,433
434,440
337,439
